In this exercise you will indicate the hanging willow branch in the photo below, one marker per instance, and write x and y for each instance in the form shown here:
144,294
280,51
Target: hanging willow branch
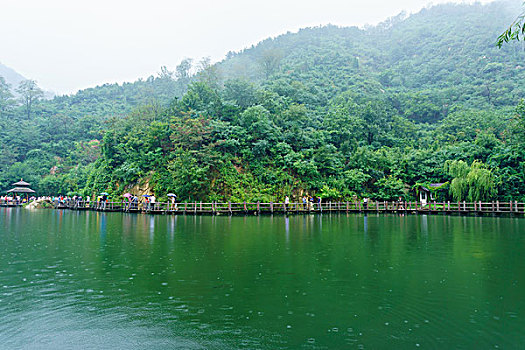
516,31
481,182
475,182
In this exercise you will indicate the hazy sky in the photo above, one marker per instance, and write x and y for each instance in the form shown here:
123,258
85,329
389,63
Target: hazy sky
68,45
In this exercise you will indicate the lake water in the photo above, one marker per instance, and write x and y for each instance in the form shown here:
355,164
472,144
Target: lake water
124,281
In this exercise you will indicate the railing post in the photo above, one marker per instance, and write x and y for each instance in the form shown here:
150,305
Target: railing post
464,206
516,206
195,208
258,207
510,206
245,209
271,207
497,205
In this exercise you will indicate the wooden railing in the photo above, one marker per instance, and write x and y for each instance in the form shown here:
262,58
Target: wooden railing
10,203
296,207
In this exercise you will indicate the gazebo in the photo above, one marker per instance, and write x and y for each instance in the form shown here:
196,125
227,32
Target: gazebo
21,187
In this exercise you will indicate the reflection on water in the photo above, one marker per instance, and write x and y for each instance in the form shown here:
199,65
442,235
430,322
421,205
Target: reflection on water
120,280
287,227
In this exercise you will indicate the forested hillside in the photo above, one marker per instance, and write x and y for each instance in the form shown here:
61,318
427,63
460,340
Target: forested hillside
330,111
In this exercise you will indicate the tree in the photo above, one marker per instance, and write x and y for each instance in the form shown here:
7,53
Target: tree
459,170
240,92
209,73
390,188
183,74
165,73
270,62
6,97
29,94
474,183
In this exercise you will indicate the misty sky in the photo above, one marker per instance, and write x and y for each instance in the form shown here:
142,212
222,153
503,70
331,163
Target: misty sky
68,45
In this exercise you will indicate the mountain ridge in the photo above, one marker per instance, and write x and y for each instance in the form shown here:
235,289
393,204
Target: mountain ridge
11,76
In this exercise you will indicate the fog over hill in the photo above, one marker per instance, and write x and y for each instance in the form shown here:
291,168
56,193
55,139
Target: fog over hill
11,76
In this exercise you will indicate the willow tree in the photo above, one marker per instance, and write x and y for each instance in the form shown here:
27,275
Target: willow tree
459,170
481,182
475,182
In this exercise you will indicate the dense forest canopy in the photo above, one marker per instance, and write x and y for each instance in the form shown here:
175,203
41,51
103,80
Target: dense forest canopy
330,111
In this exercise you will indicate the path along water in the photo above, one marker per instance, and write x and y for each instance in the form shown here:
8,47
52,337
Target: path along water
116,280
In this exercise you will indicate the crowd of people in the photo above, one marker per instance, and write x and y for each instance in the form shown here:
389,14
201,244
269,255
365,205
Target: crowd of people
149,202
16,199
129,202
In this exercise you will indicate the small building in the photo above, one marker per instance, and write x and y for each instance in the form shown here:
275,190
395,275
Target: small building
21,188
427,192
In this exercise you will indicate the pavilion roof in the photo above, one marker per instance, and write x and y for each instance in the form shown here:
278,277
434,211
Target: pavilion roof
21,183
434,186
21,190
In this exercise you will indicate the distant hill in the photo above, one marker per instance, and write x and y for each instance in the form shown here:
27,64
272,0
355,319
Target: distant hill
12,77
446,48
440,52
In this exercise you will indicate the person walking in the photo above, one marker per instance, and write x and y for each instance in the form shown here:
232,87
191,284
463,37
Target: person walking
152,199
400,203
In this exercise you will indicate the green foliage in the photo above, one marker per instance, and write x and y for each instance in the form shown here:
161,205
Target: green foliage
390,188
475,182
328,193
7,101
339,112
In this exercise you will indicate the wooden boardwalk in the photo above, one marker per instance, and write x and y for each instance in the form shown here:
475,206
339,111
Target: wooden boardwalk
11,204
258,208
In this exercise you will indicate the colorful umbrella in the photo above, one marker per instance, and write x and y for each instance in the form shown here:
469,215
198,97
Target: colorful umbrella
146,195
172,195
127,195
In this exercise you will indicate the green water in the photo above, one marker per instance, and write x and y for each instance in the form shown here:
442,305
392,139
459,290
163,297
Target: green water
93,280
